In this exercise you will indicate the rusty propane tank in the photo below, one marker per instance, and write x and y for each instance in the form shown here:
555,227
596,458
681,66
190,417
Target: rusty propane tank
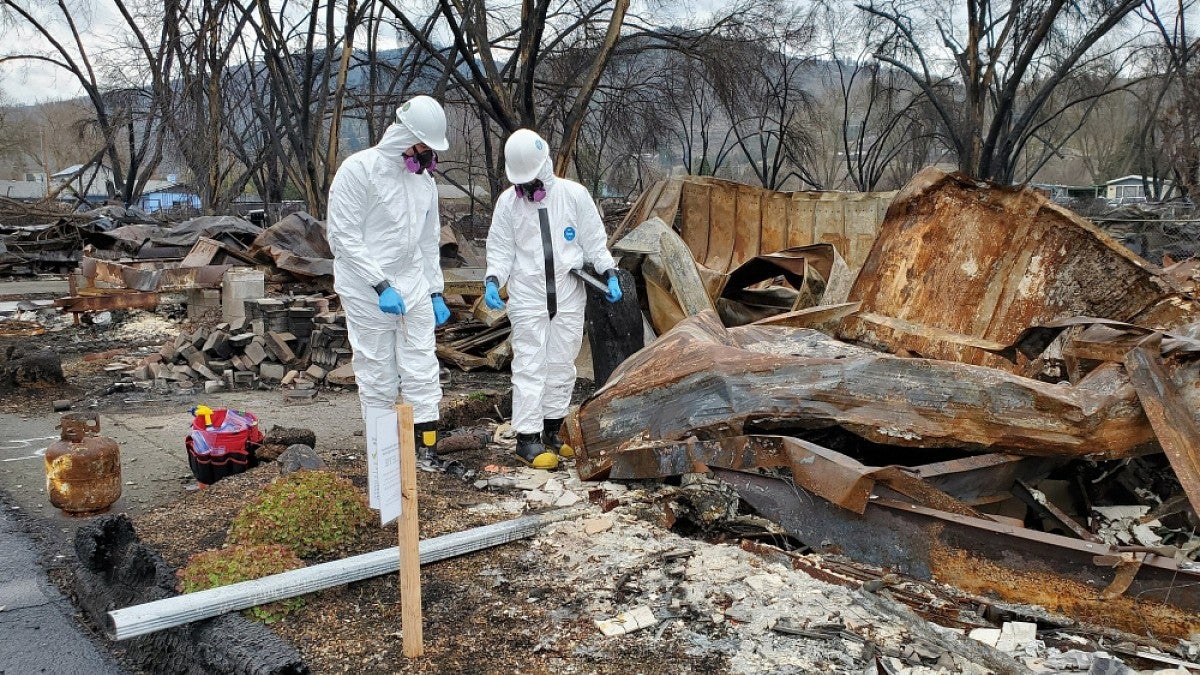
83,469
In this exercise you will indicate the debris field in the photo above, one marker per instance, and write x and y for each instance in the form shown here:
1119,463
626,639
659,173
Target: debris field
948,429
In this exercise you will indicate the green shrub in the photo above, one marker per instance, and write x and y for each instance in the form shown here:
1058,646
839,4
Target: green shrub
221,567
310,512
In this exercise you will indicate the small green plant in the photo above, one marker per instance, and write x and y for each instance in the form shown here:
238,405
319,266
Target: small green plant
478,396
221,567
310,512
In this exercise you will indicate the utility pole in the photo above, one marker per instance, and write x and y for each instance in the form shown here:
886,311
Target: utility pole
45,164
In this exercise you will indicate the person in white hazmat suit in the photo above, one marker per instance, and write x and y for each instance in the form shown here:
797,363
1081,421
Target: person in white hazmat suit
542,228
384,231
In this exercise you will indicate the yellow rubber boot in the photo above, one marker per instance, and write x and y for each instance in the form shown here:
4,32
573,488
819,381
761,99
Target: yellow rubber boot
531,451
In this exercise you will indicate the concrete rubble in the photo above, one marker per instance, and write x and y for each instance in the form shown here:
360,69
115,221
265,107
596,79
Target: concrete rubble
298,343
766,609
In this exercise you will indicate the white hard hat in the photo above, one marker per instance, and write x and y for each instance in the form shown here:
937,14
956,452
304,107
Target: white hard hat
524,154
424,117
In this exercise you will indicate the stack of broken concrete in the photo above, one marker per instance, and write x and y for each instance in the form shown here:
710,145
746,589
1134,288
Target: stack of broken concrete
295,343
1002,377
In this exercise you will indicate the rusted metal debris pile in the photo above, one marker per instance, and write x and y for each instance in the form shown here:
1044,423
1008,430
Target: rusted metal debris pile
1004,400
54,241
134,265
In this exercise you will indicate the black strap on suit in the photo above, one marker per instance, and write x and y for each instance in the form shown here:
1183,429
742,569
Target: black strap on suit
548,252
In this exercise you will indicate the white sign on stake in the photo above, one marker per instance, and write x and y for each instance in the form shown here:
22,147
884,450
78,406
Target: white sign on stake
387,468
381,428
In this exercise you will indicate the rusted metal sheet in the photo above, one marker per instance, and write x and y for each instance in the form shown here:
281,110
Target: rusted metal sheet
811,317
912,339
665,311
725,225
1100,343
817,273
151,276
113,299
985,557
1094,341
832,475
903,481
959,257
717,229
210,251
674,287
706,380
660,201
1172,419
985,479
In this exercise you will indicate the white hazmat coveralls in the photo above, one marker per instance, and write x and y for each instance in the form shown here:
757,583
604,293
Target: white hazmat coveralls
544,349
383,225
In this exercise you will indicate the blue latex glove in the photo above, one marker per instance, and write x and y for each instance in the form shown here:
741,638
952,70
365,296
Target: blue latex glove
614,289
491,296
441,313
390,302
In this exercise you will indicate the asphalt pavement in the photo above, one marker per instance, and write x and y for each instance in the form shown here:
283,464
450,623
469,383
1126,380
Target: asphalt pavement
38,630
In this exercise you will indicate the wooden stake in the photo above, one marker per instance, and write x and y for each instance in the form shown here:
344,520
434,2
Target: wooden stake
410,552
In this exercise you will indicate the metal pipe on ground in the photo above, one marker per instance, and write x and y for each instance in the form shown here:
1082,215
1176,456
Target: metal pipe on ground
151,617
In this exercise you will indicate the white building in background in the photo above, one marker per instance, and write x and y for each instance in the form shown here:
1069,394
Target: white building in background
92,182
1130,189
23,190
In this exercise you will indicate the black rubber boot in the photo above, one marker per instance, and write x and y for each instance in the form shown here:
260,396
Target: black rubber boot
550,438
427,440
427,455
531,451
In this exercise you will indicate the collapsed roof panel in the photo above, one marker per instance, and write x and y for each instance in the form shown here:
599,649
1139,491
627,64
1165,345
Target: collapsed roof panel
726,223
296,244
706,380
724,226
960,267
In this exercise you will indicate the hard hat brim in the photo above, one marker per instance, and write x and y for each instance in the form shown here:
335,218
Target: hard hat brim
438,144
517,178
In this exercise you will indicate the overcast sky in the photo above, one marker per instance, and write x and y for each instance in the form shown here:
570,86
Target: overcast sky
30,82
27,82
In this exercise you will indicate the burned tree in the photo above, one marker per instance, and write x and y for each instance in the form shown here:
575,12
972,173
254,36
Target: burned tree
1168,143
992,78
880,117
762,88
305,54
694,120
124,85
208,88
557,56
